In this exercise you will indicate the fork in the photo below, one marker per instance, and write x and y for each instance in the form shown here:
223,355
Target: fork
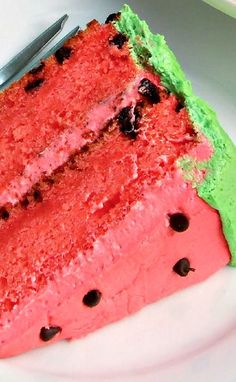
27,59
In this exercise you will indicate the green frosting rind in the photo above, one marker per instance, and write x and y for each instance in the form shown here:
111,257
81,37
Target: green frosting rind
217,188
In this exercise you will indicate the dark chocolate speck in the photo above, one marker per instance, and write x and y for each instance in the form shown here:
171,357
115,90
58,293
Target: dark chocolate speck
63,54
92,298
24,203
119,40
182,267
128,121
179,222
34,85
4,214
149,90
46,334
179,106
38,69
37,195
112,17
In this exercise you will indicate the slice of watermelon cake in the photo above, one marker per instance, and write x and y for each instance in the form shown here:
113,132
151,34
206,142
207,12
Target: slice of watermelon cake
117,186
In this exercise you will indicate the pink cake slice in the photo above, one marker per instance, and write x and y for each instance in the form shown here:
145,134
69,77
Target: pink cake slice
103,170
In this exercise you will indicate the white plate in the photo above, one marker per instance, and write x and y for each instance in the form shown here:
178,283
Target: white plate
226,6
190,336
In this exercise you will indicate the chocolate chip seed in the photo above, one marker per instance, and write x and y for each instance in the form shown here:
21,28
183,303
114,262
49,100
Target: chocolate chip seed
37,195
92,298
47,333
24,203
38,69
125,117
4,214
112,17
63,54
128,120
119,40
179,222
182,267
34,85
179,106
149,90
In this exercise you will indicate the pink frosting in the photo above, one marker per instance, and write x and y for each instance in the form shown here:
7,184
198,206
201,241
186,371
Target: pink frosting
131,265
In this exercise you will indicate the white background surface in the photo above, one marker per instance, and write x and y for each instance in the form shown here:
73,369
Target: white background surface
190,336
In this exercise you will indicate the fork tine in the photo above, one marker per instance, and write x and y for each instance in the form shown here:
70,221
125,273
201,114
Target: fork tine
31,51
61,42
53,49
36,62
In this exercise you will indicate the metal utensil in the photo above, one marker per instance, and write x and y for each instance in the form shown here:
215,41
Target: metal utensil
30,52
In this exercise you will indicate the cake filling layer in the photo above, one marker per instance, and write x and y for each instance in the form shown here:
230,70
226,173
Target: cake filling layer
73,139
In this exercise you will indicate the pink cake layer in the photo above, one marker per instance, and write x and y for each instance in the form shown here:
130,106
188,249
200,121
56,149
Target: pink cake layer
73,139
96,72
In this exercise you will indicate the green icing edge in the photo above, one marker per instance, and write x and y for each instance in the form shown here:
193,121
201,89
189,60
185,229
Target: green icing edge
217,189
